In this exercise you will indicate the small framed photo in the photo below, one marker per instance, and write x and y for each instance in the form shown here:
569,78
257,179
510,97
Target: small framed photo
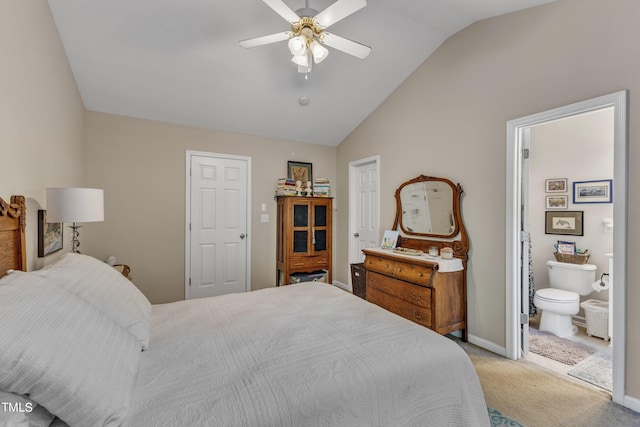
49,235
557,202
390,239
555,185
593,191
568,223
299,171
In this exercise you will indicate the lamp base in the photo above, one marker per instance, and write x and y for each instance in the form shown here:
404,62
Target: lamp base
75,233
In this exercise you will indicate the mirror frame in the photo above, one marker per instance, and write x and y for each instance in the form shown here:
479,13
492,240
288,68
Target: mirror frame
422,241
456,191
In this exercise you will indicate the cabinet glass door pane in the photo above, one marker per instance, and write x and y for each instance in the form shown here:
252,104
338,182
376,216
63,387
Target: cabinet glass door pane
300,239
300,215
320,217
321,240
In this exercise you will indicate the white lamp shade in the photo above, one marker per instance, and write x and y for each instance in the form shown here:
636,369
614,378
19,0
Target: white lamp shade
319,52
75,205
303,60
297,45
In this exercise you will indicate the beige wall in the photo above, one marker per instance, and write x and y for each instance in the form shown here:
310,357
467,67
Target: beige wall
449,119
140,164
41,112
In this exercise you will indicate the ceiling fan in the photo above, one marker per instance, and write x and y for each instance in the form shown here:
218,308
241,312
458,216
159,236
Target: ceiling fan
308,36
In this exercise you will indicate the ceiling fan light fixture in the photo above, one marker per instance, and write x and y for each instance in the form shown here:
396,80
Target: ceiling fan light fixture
298,45
307,39
318,51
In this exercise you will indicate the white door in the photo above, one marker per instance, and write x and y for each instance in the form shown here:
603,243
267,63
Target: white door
365,208
217,225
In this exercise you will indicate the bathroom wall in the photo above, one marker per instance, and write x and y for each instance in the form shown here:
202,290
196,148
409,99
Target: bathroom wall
579,149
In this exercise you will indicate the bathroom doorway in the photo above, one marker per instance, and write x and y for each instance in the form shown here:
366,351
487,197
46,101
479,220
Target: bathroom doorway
518,206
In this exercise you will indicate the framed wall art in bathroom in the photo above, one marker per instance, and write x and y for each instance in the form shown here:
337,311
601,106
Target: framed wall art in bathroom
557,202
555,185
568,223
592,191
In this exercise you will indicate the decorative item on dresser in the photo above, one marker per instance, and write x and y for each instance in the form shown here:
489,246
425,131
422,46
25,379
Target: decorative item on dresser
304,227
426,289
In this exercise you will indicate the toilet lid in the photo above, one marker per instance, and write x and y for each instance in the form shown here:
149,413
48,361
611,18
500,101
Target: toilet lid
552,294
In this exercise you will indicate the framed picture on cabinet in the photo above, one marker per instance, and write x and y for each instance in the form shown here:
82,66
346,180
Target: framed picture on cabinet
299,171
592,191
49,235
568,223
557,202
555,185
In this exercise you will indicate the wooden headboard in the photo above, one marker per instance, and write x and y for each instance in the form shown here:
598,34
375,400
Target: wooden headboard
13,221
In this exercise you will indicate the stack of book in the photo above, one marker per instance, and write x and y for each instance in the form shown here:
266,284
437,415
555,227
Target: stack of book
321,187
286,187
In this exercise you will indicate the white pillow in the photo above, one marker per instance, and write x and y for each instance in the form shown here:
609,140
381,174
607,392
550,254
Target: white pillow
20,411
105,288
64,353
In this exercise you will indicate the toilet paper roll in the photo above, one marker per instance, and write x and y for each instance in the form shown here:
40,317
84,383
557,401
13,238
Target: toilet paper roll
601,285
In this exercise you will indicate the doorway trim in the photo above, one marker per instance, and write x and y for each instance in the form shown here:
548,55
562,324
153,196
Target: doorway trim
187,222
353,167
515,132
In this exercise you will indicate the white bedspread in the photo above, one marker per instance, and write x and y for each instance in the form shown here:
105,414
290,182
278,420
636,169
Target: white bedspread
302,355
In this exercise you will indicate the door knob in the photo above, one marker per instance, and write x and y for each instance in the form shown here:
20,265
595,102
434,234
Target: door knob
242,236
356,234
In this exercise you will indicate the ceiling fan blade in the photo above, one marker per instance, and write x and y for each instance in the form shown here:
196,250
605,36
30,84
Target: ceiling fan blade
259,41
283,10
339,10
347,46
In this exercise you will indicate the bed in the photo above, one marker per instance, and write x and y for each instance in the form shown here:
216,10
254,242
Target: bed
80,345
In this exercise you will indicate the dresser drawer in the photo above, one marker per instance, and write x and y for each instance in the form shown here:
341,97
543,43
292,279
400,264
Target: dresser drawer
412,273
381,265
314,262
414,294
420,315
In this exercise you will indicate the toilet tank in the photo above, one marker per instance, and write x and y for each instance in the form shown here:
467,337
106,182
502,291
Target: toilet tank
572,277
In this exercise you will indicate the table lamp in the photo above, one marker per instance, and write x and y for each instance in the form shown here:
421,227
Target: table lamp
75,205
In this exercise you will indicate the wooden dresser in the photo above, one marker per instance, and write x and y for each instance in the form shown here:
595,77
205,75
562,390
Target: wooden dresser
303,237
428,290
414,288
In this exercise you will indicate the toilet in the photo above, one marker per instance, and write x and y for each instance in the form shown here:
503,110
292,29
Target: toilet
561,301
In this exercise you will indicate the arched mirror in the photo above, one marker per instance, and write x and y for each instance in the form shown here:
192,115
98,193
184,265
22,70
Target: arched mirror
428,206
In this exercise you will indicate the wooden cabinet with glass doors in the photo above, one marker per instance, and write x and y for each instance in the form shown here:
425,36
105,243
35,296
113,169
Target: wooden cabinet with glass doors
303,237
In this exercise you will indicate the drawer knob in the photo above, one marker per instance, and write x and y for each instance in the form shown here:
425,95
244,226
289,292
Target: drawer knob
420,274
417,315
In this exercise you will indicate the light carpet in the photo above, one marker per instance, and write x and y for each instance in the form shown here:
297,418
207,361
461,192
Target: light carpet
560,349
533,396
595,370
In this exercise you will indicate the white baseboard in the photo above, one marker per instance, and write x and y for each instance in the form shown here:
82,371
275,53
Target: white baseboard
341,285
487,345
632,403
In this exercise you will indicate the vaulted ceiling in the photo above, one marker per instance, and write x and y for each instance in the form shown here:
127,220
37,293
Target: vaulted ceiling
179,61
